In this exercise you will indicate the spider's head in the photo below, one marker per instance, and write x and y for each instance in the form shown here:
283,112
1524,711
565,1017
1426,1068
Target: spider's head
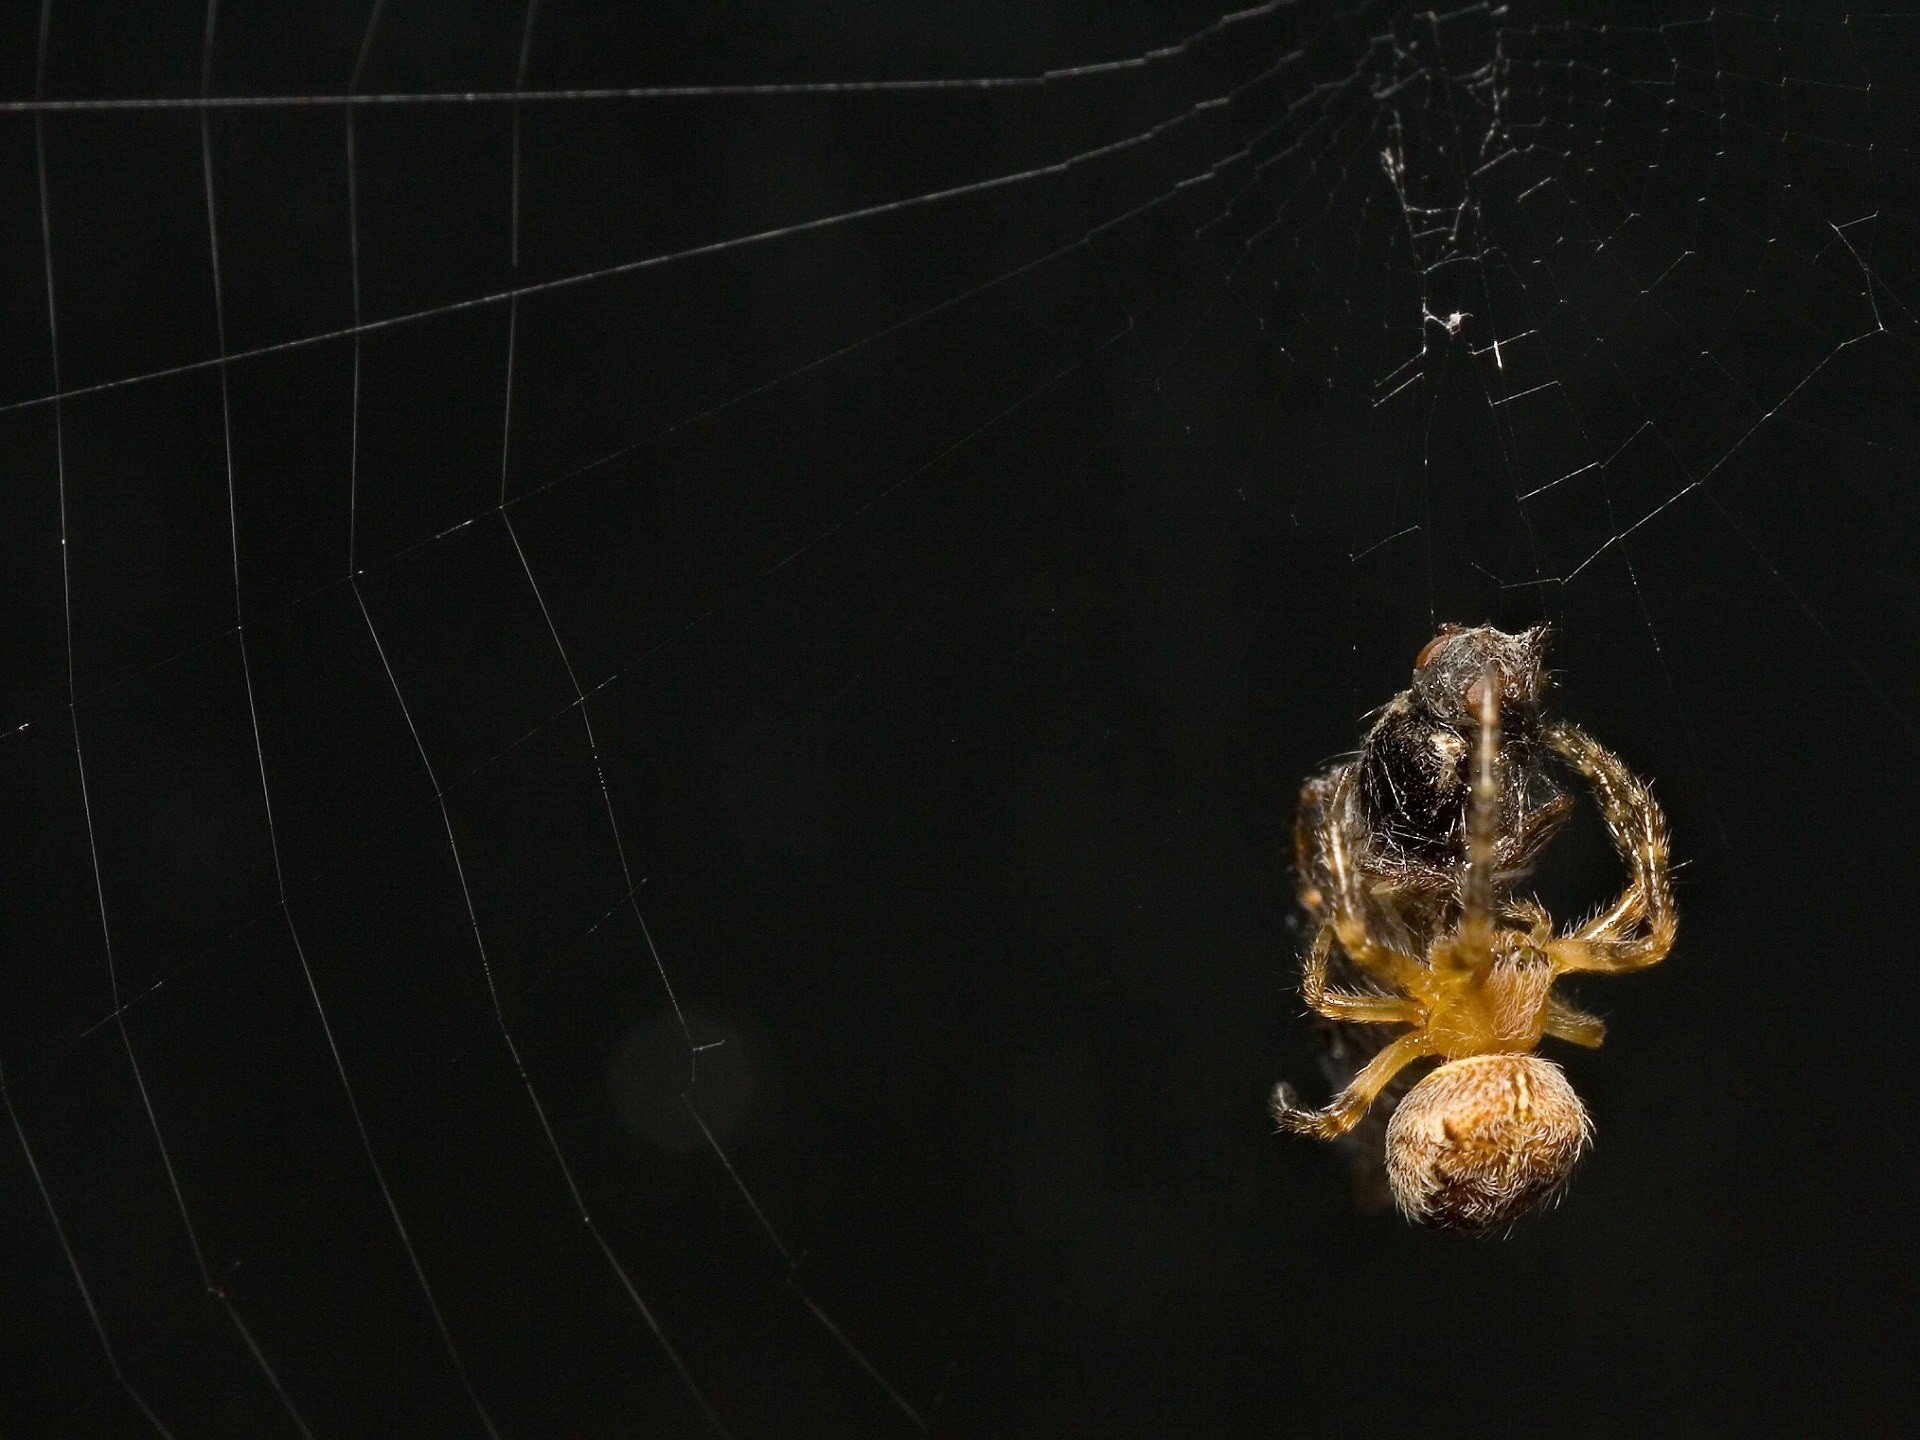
1447,674
1481,1141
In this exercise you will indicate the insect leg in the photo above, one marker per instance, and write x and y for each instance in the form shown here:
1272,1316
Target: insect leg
1537,829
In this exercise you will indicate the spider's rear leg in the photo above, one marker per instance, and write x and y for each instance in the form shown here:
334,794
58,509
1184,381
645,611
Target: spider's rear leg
1350,1104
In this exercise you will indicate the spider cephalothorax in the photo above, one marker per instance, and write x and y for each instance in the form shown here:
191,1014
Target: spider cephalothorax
1437,944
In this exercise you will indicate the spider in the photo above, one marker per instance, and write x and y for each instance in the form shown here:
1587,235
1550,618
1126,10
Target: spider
1405,814
1444,950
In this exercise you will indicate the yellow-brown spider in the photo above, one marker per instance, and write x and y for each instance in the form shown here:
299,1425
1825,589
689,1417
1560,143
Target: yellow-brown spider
1494,1129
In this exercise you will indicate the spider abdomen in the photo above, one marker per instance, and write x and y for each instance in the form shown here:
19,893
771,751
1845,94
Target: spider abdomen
1481,1141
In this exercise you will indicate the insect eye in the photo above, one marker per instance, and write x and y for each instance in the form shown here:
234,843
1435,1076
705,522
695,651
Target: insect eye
1426,651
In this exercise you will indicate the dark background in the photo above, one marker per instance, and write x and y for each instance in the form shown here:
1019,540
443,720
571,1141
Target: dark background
959,596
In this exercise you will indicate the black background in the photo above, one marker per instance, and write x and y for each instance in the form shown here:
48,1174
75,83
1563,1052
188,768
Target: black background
968,591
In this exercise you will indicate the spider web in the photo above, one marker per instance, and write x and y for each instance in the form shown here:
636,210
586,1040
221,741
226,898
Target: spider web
656,659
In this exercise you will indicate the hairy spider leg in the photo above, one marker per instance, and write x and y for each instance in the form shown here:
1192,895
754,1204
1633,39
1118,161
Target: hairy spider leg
1639,830
1346,1004
1620,917
1474,948
1352,1103
1568,1022
1401,971
1347,907
1308,829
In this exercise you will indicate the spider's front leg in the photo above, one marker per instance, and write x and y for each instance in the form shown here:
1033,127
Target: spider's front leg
1474,947
1309,837
1347,908
1639,830
1351,1104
